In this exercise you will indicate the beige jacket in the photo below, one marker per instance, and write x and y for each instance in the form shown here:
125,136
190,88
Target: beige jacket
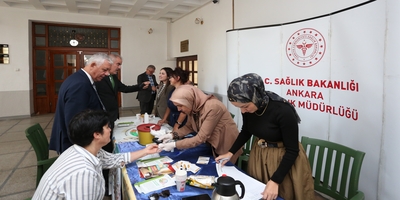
161,101
215,126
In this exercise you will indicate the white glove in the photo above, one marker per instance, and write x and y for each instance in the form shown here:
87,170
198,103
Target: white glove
167,146
157,133
165,137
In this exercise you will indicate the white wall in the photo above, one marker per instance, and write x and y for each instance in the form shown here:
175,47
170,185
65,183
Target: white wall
138,48
250,13
389,174
208,42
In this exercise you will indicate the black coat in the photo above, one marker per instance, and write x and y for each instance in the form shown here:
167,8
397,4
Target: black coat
109,95
145,95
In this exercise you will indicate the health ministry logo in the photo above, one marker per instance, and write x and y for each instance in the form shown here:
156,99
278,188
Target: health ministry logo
305,47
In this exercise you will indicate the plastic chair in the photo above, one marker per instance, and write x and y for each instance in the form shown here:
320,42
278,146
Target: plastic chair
38,140
336,168
246,152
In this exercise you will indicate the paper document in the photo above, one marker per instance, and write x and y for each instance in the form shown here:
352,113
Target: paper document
154,184
154,161
253,188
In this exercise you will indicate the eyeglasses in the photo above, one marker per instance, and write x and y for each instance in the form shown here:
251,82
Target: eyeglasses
156,196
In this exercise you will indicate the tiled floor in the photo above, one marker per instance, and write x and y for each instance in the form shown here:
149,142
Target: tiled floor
17,157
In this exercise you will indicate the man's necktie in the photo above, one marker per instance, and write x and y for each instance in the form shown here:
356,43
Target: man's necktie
112,81
151,82
102,105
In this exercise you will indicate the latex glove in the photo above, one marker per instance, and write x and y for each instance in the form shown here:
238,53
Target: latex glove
165,137
167,146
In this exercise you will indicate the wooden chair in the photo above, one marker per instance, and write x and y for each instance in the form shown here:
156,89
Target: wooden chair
336,168
38,140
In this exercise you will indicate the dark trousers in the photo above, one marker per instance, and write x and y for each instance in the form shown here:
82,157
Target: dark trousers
147,107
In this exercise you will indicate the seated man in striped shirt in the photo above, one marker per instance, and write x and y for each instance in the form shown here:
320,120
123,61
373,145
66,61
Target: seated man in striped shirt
77,173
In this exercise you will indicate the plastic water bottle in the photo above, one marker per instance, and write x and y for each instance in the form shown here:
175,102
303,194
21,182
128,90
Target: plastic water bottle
146,118
180,178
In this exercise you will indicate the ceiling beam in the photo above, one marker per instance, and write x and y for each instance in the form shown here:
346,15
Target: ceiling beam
136,8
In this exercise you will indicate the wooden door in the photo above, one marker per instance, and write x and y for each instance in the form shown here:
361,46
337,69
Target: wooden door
62,65
50,76
189,63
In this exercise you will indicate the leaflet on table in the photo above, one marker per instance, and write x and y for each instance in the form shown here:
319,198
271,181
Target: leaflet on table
154,184
154,161
186,165
251,193
155,170
203,160
150,156
125,124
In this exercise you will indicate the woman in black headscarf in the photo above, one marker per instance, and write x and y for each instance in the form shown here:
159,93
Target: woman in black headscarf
277,157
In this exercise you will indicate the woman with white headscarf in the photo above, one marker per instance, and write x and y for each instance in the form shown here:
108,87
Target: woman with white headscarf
208,117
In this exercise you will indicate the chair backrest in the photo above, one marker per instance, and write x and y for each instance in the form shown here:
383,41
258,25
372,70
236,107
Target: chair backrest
336,168
248,145
38,140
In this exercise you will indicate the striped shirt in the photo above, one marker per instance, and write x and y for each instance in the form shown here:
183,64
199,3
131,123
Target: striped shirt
77,174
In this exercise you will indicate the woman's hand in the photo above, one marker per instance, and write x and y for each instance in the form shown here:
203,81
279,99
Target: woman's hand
167,146
223,159
161,122
271,190
165,138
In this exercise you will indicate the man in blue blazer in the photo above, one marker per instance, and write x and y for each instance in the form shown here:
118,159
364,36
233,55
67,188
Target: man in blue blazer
78,93
147,96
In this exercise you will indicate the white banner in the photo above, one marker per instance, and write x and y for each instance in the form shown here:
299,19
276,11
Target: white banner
331,70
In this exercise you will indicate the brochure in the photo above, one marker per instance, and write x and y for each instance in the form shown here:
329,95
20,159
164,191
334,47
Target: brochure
155,170
154,184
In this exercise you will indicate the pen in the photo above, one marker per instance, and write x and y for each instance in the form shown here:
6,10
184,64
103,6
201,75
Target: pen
223,159
219,163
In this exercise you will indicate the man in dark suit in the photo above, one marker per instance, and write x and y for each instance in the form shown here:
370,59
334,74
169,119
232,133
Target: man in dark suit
108,89
147,96
77,93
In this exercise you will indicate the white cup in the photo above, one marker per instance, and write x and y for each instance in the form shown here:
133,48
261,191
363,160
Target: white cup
180,179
